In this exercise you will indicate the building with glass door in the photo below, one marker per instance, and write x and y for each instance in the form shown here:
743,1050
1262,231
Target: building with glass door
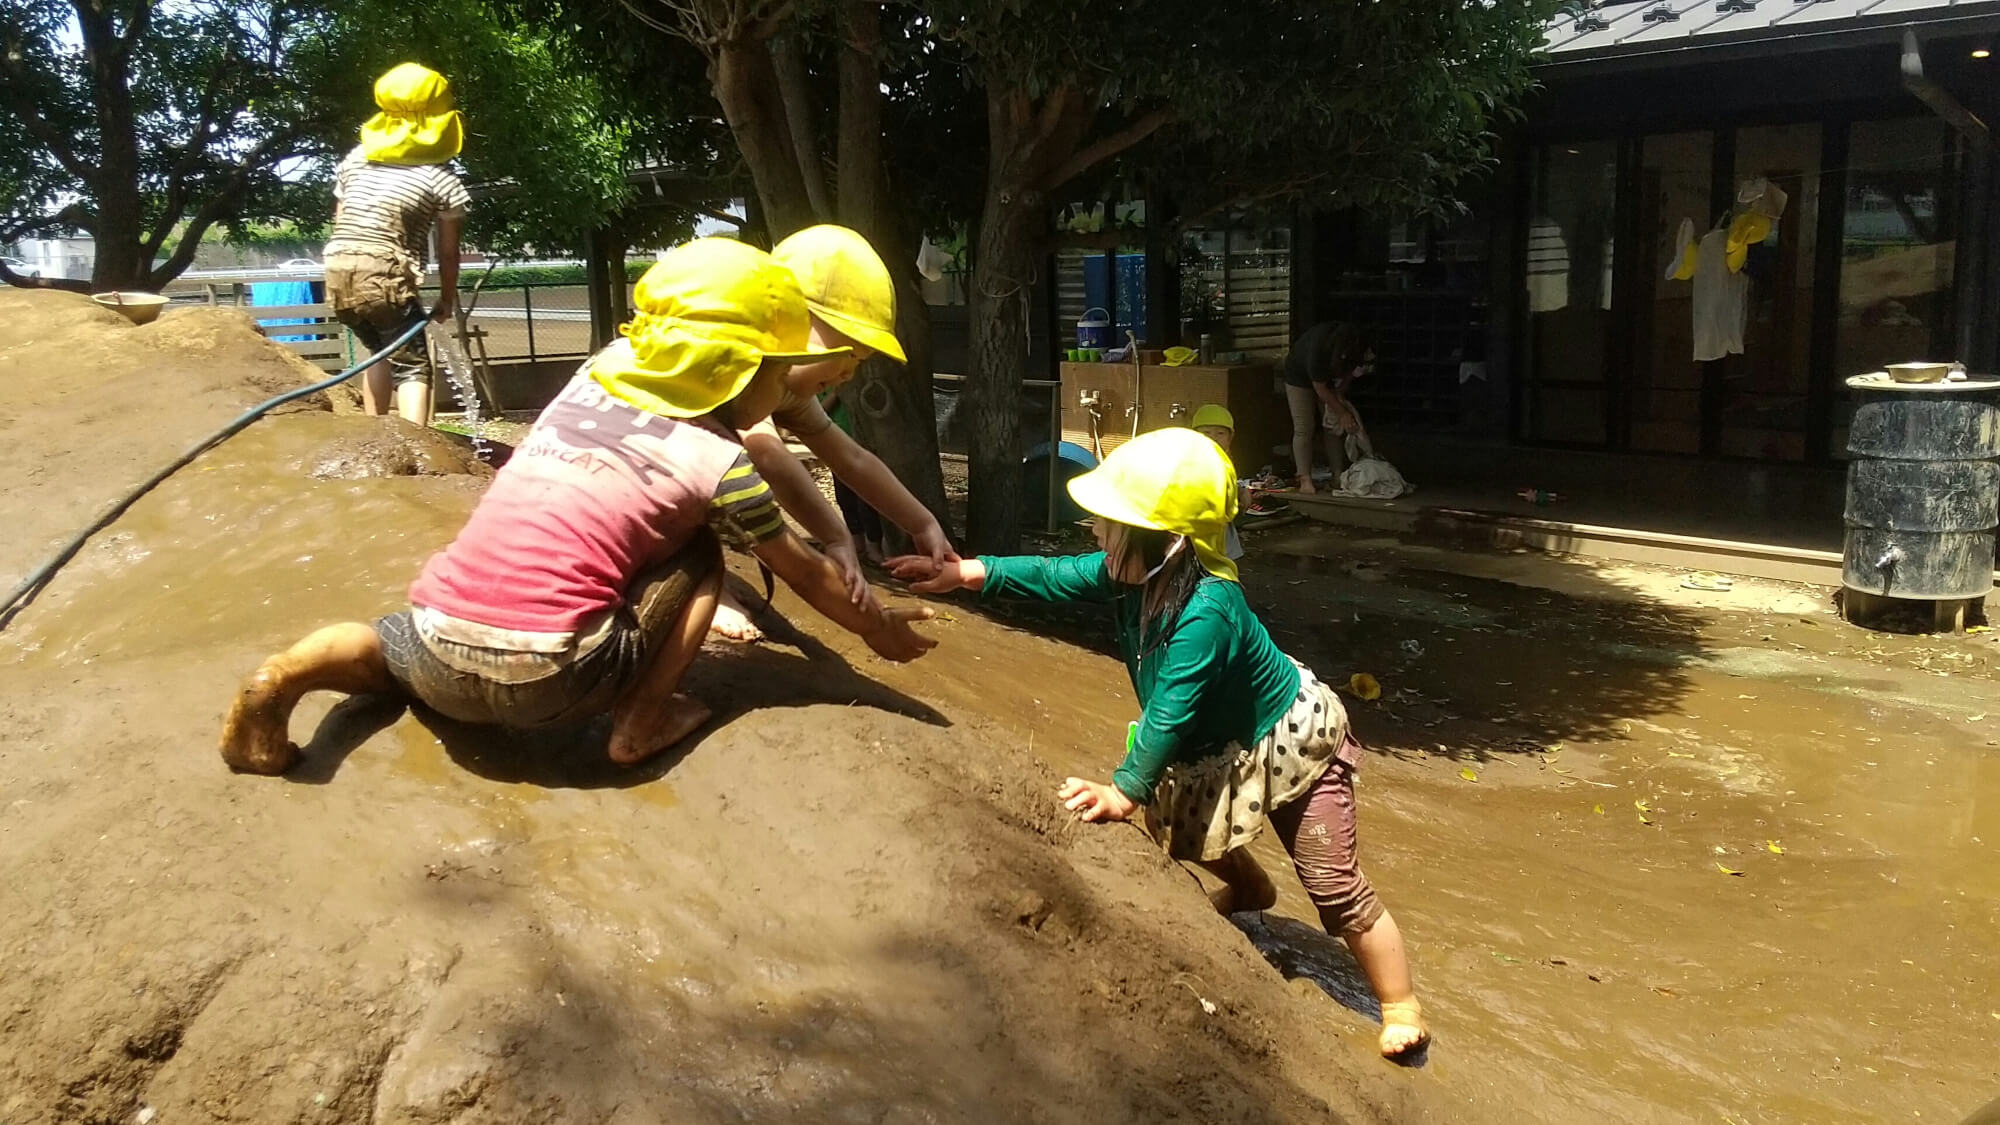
1722,210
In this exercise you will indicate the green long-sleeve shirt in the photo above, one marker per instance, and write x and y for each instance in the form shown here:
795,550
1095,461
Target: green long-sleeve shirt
1216,677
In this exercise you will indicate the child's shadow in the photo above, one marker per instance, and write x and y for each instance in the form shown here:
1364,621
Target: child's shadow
1299,951
731,678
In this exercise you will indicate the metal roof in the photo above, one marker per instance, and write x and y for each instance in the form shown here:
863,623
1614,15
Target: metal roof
1624,29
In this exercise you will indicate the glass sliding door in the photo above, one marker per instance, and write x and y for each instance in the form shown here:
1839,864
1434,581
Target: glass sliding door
1676,181
1763,391
1898,241
1574,194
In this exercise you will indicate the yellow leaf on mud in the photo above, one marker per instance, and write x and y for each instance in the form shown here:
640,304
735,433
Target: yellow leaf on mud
1728,870
1562,771
1554,748
1468,775
1642,806
1671,754
1365,686
1598,809
1774,847
1979,628
1644,819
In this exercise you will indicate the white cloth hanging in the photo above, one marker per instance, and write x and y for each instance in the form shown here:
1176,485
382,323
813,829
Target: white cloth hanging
1721,300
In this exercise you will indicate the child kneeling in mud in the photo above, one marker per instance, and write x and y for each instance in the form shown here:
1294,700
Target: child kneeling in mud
584,581
1233,732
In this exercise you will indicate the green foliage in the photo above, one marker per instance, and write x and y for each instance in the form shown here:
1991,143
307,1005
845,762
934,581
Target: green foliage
233,112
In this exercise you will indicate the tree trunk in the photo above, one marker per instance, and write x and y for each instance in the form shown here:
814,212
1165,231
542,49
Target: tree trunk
120,234
1003,268
795,91
895,415
894,410
746,84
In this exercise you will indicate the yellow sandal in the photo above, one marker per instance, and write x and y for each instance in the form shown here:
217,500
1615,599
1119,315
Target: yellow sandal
1399,1015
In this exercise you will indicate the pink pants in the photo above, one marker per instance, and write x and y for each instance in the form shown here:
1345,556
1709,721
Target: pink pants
1318,831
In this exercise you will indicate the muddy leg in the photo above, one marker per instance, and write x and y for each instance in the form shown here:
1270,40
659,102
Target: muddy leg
1379,951
377,389
345,658
1244,884
413,402
652,716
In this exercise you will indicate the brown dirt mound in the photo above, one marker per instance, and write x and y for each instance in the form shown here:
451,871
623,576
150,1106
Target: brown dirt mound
839,903
91,405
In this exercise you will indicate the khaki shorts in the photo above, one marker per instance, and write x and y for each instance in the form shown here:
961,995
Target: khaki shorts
574,689
374,293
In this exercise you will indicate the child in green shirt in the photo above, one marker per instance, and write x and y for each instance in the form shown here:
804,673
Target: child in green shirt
1232,732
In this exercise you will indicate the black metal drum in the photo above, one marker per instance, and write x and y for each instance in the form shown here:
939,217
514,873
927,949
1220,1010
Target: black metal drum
1923,489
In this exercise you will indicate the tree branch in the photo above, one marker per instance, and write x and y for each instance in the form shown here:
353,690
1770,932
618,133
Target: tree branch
38,126
198,142
1105,148
268,151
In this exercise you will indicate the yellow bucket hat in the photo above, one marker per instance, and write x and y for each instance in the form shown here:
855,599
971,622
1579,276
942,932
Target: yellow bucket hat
1213,414
1172,480
846,285
710,313
417,124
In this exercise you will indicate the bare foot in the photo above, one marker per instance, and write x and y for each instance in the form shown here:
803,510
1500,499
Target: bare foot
1403,1029
254,739
643,731
732,622
1248,889
1306,487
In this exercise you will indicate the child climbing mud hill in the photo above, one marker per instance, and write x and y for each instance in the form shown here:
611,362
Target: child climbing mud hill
1233,733
586,579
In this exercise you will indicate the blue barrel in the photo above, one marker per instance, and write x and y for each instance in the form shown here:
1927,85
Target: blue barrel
1923,489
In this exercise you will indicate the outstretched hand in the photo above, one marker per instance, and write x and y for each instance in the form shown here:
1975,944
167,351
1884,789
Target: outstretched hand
894,640
928,575
1091,801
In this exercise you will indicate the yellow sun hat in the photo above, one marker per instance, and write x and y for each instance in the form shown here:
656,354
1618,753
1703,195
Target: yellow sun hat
1172,480
417,124
1213,414
846,285
710,313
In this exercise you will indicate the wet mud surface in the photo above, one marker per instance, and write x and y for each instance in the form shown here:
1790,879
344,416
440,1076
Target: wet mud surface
1659,858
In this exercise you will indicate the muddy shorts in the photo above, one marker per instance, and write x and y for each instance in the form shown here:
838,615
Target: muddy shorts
374,293
526,690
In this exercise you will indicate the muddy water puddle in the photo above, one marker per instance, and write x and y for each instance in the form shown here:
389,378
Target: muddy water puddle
1655,863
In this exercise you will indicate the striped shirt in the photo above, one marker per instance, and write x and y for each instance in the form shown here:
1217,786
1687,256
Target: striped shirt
391,205
597,493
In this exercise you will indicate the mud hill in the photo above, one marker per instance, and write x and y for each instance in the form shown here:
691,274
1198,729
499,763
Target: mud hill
840,902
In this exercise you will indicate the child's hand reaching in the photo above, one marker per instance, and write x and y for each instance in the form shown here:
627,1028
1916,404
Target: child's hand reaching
1093,802
927,575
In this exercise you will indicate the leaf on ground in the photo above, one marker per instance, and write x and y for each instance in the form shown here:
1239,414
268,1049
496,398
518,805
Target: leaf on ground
1598,809
1774,847
1562,771
1728,870
1642,806
1671,754
1365,686
1979,628
1468,775
1979,718
1644,819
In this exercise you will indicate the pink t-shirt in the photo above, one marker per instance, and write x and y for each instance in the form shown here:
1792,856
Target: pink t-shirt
597,492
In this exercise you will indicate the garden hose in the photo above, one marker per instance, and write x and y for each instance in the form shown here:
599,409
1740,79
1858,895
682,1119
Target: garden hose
32,585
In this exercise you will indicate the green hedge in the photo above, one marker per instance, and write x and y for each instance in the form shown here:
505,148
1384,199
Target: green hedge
508,277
